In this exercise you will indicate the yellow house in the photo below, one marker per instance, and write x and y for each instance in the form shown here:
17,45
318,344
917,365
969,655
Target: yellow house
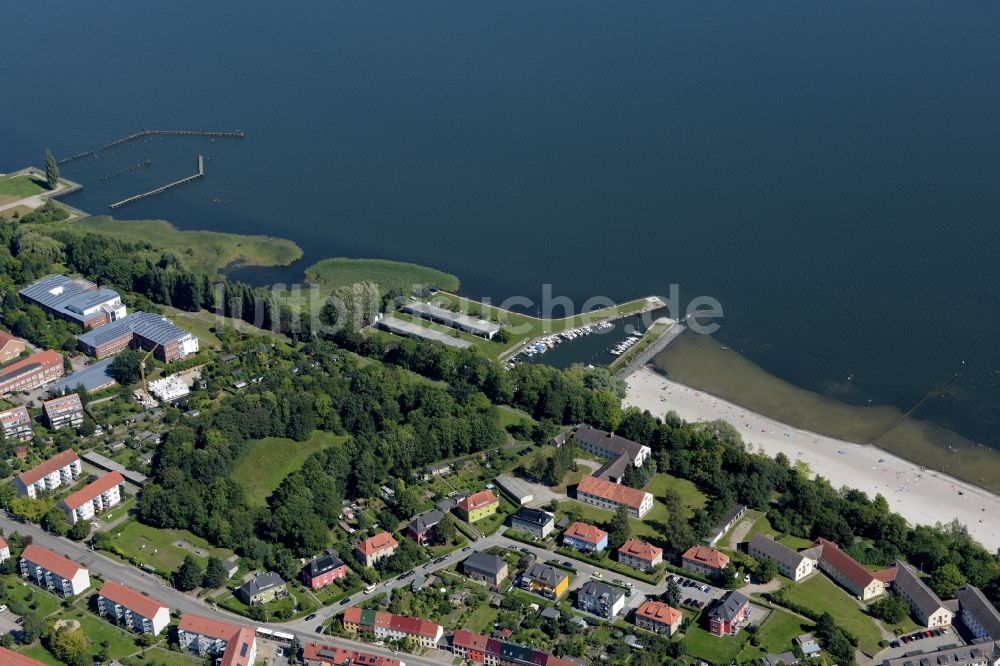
545,580
478,506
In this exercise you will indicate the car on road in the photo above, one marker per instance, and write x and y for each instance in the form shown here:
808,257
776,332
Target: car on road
629,585
467,549
311,616
370,588
617,581
596,574
320,629
345,601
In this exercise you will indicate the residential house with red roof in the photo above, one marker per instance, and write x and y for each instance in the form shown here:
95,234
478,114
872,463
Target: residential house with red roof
232,644
376,548
52,571
845,570
11,658
318,654
704,560
658,617
62,468
609,495
391,626
640,555
478,505
94,498
585,537
479,649
131,609
10,347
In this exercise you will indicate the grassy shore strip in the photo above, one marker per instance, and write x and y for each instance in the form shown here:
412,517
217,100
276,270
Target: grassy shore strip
206,251
342,271
651,335
15,188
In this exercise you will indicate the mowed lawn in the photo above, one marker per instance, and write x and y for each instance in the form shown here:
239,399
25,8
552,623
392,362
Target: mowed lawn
778,630
649,526
14,188
718,650
820,594
270,460
156,547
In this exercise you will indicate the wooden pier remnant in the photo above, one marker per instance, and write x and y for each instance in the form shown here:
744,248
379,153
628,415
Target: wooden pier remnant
168,186
238,134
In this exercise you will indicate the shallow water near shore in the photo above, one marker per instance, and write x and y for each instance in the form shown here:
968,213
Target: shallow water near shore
700,362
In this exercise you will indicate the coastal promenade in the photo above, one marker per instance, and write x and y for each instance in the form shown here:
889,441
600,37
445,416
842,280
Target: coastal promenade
922,496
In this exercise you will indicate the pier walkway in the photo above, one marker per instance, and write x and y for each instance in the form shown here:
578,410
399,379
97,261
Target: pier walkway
238,134
168,186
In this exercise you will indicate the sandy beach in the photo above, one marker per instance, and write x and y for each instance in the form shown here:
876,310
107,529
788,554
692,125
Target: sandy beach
921,496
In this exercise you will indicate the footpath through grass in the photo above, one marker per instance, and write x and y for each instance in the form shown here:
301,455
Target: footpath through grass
14,188
270,460
163,549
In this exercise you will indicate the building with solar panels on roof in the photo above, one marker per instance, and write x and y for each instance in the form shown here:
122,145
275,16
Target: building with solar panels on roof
140,330
76,300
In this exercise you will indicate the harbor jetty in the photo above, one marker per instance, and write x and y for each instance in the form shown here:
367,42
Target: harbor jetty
238,134
168,186
645,355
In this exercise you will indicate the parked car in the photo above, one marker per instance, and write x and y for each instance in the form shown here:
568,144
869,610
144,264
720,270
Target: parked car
345,601
311,616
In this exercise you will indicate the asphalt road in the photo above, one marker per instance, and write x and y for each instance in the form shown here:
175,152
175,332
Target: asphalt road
154,587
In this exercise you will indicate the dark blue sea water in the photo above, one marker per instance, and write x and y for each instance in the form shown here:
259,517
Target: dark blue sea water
828,171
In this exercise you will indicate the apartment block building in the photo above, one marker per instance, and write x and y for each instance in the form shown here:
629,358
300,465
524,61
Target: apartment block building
62,468
131,609
16,424
640,555
232,644
30,373
788,562
94,498
53,572
66,410
610,495
478,505
324,570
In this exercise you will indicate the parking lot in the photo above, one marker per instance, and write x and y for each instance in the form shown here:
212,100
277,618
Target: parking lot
694,591
947,638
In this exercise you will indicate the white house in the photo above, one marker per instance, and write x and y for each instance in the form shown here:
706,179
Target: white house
62,468
133,610
53,572
94,498
4,550
788,562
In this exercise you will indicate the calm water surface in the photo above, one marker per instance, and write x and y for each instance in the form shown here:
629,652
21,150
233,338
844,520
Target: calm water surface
828,171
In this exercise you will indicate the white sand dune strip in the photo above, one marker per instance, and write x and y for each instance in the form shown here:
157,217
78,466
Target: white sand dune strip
922,496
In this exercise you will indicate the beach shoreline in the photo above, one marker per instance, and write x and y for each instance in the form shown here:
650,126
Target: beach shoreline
921,495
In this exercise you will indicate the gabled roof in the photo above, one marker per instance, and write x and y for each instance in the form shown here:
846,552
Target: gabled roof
612,491
204,626
323,564
844,563
6,338
545,574
262,582
778,552
641,550
93,489
478,500
484,563
729,606
33,363
922,596
425,521
972,600
337,656
608,441
534,516
377,543
706,556
586,533
131,599
659,612
50,561
53,464
593,588
470,641
11,658
239,649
